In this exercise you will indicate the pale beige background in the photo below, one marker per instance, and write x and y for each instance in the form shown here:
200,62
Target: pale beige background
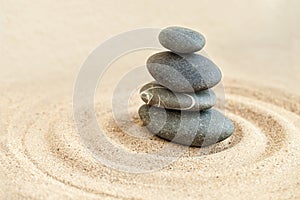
43,44
50,39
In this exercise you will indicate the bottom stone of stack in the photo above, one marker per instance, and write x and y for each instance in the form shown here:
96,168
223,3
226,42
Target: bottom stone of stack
191,128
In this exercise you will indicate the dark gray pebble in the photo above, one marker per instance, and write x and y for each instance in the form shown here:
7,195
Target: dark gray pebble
191,128
183,73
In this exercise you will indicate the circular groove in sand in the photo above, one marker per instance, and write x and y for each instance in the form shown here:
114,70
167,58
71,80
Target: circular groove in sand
256,115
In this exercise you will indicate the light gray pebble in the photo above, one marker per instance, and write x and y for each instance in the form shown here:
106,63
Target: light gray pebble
158,95
181,40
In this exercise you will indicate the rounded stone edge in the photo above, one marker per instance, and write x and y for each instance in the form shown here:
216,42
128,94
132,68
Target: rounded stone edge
165,38
150,65
164,104
195,142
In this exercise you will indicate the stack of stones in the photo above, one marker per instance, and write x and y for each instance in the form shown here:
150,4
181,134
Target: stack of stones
179,103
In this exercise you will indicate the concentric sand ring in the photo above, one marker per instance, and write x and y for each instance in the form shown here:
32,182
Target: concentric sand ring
48,152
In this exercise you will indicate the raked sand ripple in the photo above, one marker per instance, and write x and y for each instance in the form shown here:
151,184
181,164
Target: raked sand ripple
41,151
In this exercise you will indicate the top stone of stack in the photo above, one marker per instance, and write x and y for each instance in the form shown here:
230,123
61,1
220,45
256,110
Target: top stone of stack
181,40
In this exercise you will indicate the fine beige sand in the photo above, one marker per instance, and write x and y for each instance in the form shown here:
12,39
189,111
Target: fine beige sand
43,44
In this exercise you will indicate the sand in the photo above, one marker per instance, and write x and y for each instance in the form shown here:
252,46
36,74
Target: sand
43,45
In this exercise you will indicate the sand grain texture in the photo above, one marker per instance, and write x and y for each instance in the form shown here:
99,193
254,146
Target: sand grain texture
43,45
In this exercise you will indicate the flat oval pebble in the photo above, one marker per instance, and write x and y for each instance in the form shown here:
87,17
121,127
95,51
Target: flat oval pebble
156,94
181,40
191,128
183,73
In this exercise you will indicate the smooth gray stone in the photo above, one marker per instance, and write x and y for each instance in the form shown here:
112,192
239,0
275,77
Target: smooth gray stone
158,95
181,40
183,73
191,128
